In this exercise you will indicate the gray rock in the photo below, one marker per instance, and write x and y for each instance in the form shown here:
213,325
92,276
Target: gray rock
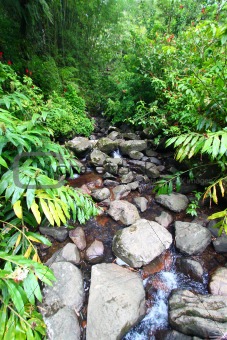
116,302
204,316
63,325
123,211
111,167
99,169
114,160
110,183
127,178
113,135
218,282
141,203
107,175
133,185
100,194
58,233
174,335
165,219
141,243
210,226
175,202
123,171
69,253
190,268
136,145
98,157
136,154
106,145
161,168
131,136
95,252
78,237
220,244
155,161
191,238
68,290
121,191
146,168
151,153
80,145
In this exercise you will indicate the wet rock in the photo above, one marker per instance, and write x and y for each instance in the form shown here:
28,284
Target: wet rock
165,219
161,168
133,244
136,154
201,219
80,145
146,168
123,171
100,194
106,145
60,234
111,167
95,252
121,191
123,211
127,178
151,153
190,268
175,202
210,227
78,237
220,244
141,203
63,325
98,157
218,282
172,335
110,183
162,262
204,316
131,136
113,135
191,238
67,291
99,169
116,302
155,160
133,185
107,175
132,145
84,189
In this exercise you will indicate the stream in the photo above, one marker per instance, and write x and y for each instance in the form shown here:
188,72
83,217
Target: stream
160,277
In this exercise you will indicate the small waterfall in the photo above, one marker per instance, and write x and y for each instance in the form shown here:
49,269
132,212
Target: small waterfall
157,317
116,154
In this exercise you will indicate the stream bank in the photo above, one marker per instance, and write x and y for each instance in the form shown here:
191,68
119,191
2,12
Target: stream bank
149,240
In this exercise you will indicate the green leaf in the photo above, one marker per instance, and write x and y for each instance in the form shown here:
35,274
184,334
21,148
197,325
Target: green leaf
15,296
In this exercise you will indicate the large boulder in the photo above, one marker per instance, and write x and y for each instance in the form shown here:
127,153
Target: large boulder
218,282
204,316
80,145
116,302
140,243
132,145
191,238
98,157
123,211
63,325
106,145
68,290
174,202
190,268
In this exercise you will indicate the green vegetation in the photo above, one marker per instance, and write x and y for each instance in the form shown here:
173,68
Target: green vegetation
155,65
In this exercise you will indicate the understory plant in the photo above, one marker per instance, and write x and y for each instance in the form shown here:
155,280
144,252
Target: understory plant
32,191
